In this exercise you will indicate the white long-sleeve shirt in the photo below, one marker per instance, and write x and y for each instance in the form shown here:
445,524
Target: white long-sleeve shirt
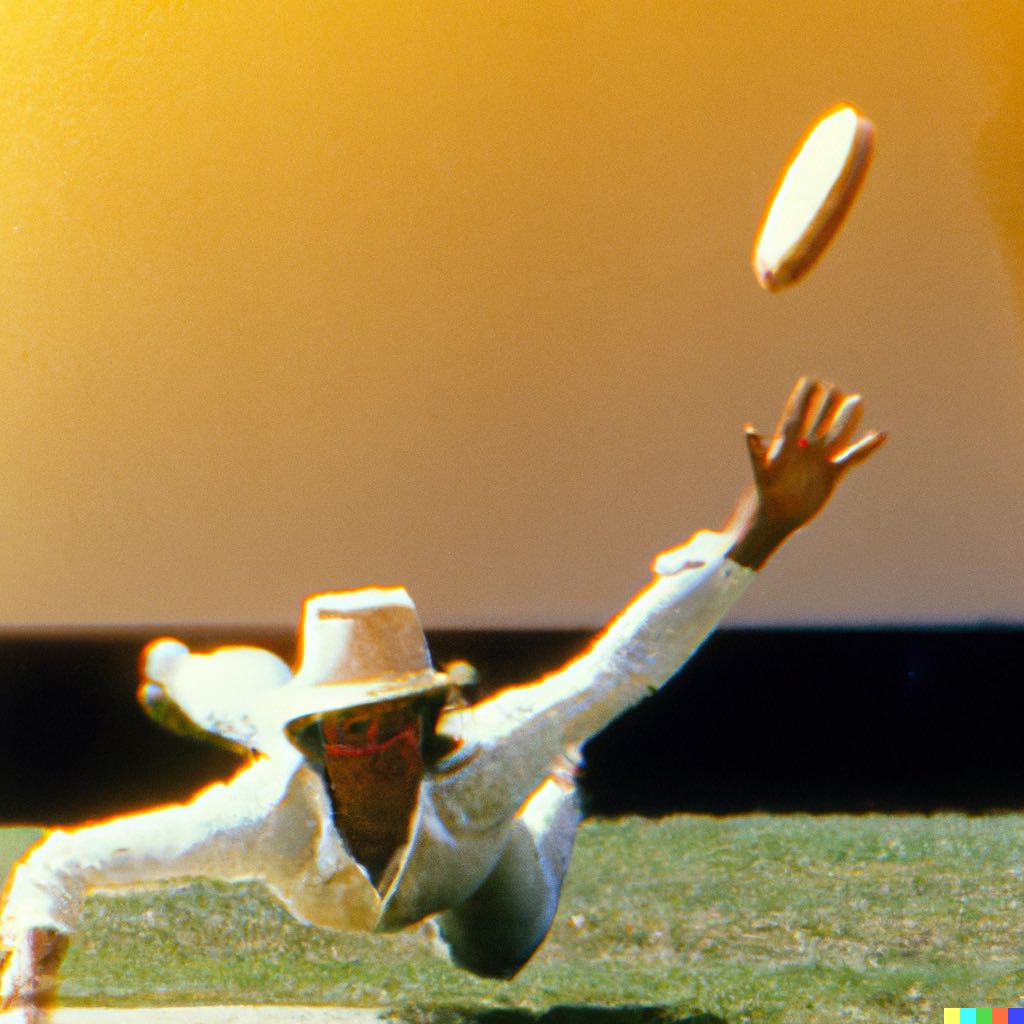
494,823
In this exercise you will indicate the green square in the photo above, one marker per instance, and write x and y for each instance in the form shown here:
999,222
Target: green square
983,1016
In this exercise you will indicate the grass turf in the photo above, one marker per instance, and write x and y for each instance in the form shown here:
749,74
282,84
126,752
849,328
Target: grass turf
766,919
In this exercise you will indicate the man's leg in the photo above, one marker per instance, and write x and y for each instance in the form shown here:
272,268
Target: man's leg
496,931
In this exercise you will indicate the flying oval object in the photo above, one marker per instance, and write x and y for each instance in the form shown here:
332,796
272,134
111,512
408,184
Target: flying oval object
813,196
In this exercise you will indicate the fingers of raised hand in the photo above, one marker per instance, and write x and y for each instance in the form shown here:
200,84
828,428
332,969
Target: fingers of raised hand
859,451
822,414
791,424
844,423
820,421
756,447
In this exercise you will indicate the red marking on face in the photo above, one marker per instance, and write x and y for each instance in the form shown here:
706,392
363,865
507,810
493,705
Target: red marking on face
802,442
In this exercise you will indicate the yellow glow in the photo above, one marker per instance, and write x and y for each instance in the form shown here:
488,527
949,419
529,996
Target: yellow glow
812,197
457,296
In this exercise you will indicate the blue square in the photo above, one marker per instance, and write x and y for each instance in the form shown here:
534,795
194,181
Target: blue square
1015,1014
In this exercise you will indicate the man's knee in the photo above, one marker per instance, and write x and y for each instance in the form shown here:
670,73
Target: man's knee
489,948
496,931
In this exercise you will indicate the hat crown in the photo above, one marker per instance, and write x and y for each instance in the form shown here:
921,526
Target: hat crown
361,635
359,648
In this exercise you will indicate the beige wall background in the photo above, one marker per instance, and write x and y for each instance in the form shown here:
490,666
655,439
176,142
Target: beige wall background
457,295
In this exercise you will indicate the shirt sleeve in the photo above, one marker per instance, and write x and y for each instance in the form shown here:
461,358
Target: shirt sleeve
510,740
223,833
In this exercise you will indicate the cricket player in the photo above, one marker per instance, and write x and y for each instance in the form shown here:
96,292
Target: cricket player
375,798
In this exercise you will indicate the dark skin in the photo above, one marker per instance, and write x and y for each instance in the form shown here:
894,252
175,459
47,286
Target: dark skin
796,471
374,772
363,726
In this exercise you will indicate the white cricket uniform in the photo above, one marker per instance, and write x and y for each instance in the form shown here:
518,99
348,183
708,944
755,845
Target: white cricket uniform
492,834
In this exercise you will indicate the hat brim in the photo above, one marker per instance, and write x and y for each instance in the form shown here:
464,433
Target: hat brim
294,709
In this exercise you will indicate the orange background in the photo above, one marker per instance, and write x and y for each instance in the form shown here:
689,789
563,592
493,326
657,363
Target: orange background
457,295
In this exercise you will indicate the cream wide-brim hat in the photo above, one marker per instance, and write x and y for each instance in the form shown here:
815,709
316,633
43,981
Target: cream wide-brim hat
360,648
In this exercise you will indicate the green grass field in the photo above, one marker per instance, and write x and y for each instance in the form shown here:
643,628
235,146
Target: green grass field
766,919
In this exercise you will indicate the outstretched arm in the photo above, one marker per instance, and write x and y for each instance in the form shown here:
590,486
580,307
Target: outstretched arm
515,735
231,830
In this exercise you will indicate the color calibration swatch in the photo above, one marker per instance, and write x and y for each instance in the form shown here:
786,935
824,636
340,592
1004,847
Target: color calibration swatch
977,1015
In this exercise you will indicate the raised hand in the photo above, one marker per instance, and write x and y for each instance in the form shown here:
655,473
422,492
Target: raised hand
796,471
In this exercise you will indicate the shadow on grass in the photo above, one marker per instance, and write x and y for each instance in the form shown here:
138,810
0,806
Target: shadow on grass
560,1015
